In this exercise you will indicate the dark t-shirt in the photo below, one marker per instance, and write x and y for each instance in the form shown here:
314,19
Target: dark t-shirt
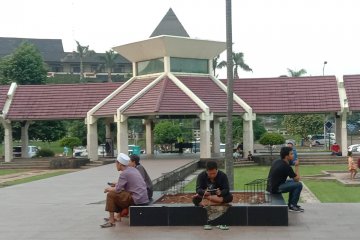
278,174
221,181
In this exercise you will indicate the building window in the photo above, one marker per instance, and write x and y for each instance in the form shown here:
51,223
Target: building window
189,65
94,68
55,68
150,66
75,68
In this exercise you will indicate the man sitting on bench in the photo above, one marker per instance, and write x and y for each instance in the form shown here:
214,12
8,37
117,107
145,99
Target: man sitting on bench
129,190
212,187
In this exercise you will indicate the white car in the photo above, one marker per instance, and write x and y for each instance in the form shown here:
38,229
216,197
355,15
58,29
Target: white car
80,152
222,147
319,140
32,150
354,148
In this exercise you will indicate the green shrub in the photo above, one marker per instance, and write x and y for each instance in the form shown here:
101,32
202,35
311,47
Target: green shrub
45,153
271,139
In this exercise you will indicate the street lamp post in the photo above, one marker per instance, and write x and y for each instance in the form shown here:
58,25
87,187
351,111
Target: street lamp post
325,62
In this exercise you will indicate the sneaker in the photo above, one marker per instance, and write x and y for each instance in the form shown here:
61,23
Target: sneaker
295,209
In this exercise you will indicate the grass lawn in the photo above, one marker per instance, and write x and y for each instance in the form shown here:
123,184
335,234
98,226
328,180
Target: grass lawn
325,191
33,178
333,192
10,171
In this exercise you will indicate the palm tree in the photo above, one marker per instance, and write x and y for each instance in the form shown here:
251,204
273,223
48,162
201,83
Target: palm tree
238,59
293,73
109,62
217,65
82,52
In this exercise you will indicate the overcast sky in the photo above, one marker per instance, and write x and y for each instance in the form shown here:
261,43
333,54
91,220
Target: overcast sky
273,34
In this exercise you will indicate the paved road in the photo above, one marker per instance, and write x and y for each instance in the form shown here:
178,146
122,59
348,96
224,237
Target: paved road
67,207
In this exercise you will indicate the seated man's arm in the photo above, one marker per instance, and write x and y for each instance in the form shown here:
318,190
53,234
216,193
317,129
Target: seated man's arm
200,185
225,189
120,185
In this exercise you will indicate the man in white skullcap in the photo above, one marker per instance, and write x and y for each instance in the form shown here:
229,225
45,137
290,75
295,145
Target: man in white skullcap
129,190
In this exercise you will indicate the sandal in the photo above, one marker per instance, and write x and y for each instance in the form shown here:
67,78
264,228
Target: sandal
107,225
207,227
223,227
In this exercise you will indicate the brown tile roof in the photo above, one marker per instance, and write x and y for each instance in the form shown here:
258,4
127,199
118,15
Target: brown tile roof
60,101
352,87
3,93
118,100
209,93
289,95
164,97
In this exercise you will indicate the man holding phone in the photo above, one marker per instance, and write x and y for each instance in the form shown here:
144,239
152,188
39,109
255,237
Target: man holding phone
212,187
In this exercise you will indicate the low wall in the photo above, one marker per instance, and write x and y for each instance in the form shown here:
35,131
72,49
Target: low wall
64,163
265,160
171,178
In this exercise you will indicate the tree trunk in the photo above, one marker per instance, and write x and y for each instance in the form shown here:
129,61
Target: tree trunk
109,75
81,70
229,161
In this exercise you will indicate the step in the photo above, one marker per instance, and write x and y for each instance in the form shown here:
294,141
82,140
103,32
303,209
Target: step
22,167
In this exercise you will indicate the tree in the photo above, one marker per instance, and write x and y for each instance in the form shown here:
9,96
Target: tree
82,52
294,73
25,66
45,131
165,132
109,62
217,65
238,59
304,124
271,139
70,142
258,128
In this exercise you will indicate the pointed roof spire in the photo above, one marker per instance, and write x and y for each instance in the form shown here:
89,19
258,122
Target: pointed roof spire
170,25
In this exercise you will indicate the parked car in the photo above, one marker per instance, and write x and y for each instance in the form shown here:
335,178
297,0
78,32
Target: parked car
222,147
320,140
32,150
354,148
80,152
102,151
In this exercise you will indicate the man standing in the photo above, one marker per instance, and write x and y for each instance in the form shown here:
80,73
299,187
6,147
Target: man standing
277,181
295,158
129,190
212,187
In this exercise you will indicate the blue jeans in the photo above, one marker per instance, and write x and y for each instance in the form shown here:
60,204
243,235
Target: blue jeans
294,190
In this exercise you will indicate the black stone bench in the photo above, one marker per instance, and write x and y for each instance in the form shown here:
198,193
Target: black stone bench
274,213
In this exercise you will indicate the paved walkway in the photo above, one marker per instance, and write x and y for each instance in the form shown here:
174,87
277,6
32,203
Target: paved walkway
30,173
66,207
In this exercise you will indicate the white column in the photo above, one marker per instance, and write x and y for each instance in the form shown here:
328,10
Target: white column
149,137
122,135
216,136
341,133
248,134
92,139
205,148
25,139
8,146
